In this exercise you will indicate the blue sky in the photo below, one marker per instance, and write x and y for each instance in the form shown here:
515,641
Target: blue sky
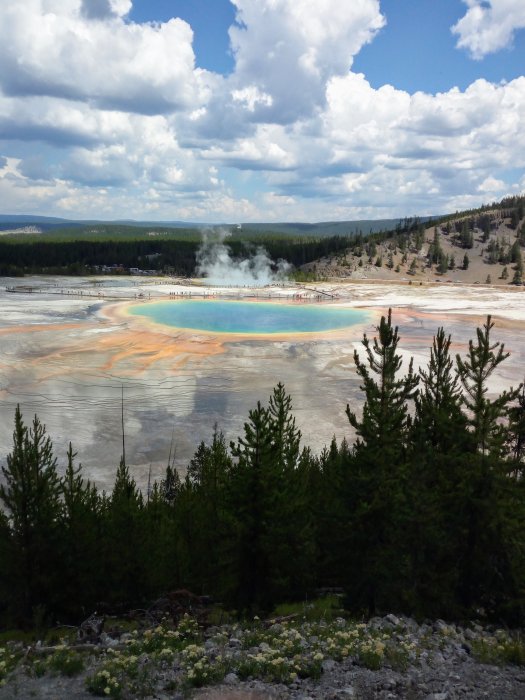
260,110
209,19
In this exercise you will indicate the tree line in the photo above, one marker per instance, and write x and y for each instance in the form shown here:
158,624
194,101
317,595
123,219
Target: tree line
177,256
423,513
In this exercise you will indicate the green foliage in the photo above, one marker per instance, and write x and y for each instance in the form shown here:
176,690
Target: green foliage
501,648
266,487
65,662
439,442
83,254
378,517
31,496
104,684
385,412
474,371
326,608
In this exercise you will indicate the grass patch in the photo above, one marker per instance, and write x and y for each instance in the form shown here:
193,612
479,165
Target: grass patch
500,649
66,663
326,608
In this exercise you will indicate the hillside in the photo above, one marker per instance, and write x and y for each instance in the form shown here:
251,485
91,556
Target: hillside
480,247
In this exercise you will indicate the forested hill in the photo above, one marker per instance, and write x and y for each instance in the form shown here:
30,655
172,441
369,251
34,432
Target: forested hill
424,514
481,246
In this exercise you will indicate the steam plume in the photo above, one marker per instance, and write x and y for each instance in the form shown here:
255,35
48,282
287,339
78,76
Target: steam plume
214,262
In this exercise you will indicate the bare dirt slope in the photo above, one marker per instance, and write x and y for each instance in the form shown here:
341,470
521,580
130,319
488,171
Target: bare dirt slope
390,263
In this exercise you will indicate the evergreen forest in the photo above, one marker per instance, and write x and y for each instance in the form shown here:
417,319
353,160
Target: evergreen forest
423,514
176,254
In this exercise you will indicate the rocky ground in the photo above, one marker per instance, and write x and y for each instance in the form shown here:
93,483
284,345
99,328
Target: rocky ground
357,268
387,658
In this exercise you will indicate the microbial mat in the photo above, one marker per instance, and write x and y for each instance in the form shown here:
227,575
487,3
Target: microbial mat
249,318
69,353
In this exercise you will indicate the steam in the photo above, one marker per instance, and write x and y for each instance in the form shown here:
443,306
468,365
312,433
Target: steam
216,264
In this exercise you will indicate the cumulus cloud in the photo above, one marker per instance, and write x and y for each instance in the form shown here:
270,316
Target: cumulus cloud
287,49
50,48
489,25
127,125
407,152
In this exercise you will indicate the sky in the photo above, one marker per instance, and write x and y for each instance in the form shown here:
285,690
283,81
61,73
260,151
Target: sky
260,110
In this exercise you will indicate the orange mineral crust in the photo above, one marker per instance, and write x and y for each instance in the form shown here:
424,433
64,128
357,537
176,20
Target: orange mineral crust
70,359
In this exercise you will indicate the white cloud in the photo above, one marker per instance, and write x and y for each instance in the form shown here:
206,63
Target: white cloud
126,124
289,48
251,96
489,25
408,152
491,185
269,148
49,47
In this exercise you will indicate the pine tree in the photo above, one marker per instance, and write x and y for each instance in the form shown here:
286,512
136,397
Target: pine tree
267,497
385,413
439,440
290,530
160,538
381,469
212,548
248,493
466,237
124,551
31,498
170,486
516,436
435,252
333,498
286,438
487,557
442,264
517,258
7,581
482,360
515,253
80,521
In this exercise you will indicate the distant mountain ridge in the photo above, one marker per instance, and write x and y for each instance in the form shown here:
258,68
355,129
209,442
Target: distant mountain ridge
21,219
322,228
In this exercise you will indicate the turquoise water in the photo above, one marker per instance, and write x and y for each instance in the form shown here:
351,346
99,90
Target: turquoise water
247,317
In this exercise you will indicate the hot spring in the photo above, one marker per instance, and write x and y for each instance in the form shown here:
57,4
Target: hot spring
248,318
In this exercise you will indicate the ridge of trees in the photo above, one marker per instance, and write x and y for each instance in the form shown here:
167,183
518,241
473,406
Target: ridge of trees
424,514
82,257
176,252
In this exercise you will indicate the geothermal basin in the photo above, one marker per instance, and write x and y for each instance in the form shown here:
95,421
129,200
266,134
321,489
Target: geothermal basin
248,317
70,347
